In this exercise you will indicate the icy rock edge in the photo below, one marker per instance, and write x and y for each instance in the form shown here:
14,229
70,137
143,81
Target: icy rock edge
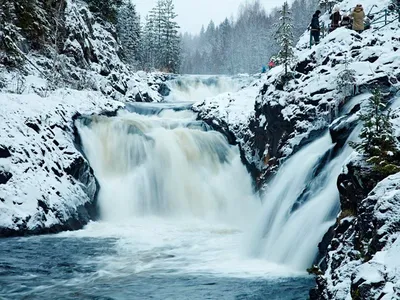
359,256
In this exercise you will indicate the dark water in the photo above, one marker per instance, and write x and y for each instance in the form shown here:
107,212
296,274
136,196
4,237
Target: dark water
54,267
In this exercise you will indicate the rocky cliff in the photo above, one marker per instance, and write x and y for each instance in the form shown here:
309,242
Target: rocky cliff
356,253
57,60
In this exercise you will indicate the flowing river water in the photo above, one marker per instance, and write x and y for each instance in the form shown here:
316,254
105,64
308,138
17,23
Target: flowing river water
179,218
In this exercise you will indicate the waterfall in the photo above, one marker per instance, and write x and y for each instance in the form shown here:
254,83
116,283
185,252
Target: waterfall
157,160
197,88
166,165
300,204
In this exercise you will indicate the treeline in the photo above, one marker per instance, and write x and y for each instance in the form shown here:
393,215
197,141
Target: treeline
243,45
153,46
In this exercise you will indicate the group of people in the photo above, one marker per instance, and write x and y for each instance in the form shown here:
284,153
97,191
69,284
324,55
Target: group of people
355,21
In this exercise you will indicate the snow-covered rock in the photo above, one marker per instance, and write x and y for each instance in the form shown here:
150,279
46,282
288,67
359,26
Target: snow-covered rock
363,257
362,250
87,56
46,185
287,116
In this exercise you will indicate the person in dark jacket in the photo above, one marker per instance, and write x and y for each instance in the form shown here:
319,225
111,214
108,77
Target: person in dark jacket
335,18
346,21
315,28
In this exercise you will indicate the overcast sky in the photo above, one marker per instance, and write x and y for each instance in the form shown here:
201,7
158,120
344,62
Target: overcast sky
192,14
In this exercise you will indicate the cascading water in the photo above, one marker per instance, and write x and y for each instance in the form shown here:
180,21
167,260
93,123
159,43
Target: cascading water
300,206
166,165
301,203
162,163
197,88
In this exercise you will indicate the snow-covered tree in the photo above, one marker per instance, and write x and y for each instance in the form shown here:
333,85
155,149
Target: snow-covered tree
378,143
170,38
243,44
147,46
106,9
284,35
128,28
346,79
161,38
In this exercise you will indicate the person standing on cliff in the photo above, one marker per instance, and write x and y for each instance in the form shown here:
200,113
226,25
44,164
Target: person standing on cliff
335,18
315,28
358,16
346,21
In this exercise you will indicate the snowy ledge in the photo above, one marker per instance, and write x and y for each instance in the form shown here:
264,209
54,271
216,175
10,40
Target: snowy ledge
46,185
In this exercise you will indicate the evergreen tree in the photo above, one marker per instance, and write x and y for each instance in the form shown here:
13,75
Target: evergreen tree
161,37
284,35
106,9
148,46
128,28
243,44
378,143
346,79
170,38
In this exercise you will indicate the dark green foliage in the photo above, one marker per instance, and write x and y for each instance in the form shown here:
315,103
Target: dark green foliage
106,9
284,36
27,25
161,41
129,31
378,143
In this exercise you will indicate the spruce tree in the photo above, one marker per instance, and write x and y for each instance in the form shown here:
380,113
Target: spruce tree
284,35
170,38
346,79
161,35
106,9
378,143
128,28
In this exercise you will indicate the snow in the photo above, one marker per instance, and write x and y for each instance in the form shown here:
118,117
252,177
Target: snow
309,101
38,156
234,109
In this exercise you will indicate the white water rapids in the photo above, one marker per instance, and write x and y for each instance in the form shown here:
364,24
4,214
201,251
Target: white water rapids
178,197
180,200
199,87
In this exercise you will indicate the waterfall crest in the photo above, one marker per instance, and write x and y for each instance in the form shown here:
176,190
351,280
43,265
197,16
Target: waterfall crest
166,165
199,87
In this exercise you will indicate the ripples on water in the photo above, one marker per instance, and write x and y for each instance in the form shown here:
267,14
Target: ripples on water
54,267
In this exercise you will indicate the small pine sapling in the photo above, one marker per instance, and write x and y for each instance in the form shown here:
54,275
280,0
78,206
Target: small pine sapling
378,142
284,35
346,80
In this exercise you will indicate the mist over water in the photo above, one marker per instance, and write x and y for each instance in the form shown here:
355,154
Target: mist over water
198,87
173,192
178,212
167,166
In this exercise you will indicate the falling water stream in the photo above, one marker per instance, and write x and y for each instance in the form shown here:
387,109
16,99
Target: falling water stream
179,217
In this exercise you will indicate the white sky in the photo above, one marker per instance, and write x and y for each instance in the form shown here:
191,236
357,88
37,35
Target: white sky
192,14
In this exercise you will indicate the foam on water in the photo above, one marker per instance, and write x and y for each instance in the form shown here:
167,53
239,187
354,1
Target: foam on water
178,198
197,88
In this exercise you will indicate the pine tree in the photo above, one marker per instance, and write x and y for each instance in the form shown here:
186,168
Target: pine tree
128,28
106,9
147,46
346,79
378,143
161,37
284,35
170,38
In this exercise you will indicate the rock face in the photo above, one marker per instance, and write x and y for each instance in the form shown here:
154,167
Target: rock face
46,184
64,44
365,234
